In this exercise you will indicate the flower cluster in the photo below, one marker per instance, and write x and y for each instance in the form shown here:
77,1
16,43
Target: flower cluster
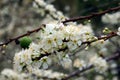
83,58
118,33
8,74
111,18
49,74
56,39
99,63
48,9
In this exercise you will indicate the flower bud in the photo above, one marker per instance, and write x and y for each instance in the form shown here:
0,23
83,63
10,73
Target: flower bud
25,42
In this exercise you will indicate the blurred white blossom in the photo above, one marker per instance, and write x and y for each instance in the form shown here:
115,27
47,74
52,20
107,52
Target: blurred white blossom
38,74
113,18
45,8
118,33
99,77
66,61
99,63
79,63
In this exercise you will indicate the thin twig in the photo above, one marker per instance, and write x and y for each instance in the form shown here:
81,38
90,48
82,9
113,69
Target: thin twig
112,34
73,74
26,34
92,15
101,6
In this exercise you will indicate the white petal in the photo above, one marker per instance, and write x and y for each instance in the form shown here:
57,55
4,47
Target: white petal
79,42
45,65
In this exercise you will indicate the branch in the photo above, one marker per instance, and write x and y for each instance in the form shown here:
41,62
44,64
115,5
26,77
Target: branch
72,19
26,34
113,57
92,15
110,35
99,6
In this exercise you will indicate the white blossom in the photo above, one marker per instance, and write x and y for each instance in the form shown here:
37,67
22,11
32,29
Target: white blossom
11,75
66,61
41,2
21,59
38,74
113,18
99,63
99,77
50,8
45,61
45,8
118,33
79,63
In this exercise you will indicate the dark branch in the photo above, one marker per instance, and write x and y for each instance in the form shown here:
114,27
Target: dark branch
26,34
112,57
92,15
110,35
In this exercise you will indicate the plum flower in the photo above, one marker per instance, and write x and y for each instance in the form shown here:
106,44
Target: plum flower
45,61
